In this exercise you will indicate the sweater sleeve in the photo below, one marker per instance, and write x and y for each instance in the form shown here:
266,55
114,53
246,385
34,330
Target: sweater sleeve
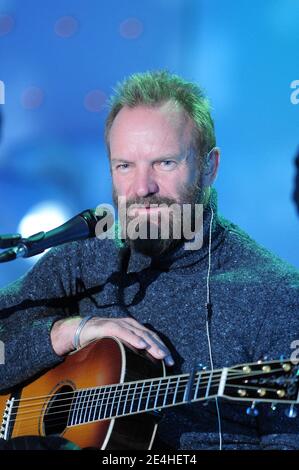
277,336
28,309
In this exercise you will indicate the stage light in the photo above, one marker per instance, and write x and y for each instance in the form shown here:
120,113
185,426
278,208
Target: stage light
43,217
66,26
32,98
131,28
95,101
6,24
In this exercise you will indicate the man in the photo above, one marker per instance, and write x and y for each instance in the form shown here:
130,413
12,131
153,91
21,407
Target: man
227,302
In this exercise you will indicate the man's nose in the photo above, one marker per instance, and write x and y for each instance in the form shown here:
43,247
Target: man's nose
145,183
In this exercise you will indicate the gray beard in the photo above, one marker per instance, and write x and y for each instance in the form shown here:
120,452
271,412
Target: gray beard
156,246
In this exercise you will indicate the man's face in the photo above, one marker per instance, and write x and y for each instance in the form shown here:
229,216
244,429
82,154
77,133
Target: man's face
151,161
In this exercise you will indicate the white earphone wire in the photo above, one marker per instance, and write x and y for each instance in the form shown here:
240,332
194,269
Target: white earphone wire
208,305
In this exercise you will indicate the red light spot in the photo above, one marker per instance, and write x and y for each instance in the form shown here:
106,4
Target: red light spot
66,26
6,24
131,28
32,98
95,101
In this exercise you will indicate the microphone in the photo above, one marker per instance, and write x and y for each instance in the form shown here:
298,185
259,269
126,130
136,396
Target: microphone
9,240
80,227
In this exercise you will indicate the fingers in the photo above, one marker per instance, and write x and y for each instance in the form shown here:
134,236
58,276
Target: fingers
156,347
129,330
154,344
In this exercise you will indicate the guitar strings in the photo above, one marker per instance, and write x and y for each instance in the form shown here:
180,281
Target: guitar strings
133,393
88,409
216,375
134,396
55,422
104,388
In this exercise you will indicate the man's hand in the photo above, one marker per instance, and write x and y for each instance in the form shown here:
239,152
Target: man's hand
126,329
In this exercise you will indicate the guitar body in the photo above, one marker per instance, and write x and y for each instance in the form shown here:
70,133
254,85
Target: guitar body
108,395
102,362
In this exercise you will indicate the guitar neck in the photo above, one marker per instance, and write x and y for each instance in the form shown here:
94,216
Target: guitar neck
273,381
129,398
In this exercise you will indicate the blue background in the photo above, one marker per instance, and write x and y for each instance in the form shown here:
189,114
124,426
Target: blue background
58,72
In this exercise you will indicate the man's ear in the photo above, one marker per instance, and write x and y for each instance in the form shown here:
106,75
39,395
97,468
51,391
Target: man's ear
210,167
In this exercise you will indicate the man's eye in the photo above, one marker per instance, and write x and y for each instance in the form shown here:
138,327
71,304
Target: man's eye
167,165
122,166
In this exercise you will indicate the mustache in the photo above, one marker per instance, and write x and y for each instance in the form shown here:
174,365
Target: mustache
187,194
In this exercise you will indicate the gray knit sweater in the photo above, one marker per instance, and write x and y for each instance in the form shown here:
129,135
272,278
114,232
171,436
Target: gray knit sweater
255,312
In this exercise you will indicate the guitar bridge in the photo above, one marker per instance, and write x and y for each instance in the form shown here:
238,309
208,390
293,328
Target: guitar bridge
4,430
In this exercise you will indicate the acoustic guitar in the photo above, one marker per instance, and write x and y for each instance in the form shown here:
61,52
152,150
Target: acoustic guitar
108,395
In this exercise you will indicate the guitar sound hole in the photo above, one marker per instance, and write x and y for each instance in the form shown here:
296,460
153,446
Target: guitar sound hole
57,412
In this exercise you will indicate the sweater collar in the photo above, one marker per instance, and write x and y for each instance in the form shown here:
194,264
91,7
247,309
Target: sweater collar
180,257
